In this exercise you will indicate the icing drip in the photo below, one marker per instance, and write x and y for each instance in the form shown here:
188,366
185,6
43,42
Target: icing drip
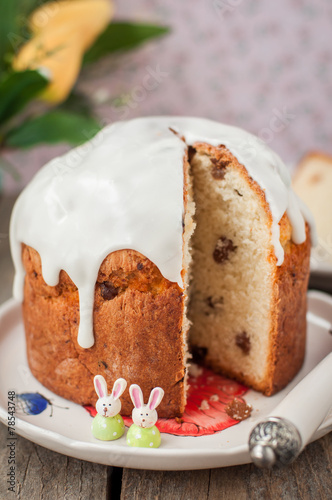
124,190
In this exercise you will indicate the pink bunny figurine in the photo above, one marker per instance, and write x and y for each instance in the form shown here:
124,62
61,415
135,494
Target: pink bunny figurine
143,432
108,424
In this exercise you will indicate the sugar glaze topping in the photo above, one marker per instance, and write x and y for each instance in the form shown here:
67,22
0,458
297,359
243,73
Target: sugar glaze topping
124,190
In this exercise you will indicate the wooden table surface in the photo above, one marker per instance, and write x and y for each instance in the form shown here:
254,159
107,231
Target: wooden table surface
44,474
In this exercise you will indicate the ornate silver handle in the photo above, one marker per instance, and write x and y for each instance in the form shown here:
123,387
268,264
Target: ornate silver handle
274,440
280,437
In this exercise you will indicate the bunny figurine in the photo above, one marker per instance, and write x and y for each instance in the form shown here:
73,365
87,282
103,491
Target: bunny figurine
143,432
108,424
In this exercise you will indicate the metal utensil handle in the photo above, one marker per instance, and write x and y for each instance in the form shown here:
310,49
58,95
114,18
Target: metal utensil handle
274,440
281,437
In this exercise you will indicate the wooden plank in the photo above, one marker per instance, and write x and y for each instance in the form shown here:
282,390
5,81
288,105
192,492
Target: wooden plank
4,467
44,474
308,478
139,484
49,475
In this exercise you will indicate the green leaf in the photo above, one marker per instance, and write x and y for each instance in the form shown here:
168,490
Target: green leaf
17,89
122,36
14,28
9,22
53,127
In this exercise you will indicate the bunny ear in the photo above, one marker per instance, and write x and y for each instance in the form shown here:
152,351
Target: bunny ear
119,387
100,386
155,398
136,395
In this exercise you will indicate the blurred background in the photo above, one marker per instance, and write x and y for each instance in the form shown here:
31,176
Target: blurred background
257,64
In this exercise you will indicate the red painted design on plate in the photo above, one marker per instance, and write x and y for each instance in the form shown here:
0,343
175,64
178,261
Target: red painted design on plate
204,414
91,410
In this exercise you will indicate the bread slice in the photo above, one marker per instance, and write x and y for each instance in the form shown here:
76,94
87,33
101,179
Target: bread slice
248,315
313,183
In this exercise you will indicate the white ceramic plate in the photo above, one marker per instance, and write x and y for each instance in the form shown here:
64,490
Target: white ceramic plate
67,431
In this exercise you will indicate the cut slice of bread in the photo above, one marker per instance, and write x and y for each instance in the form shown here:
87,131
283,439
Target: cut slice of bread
248,314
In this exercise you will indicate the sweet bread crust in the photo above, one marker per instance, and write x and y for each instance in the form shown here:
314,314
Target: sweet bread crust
289,325
127,342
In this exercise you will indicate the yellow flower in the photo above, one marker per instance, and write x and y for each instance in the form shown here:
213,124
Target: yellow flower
62,32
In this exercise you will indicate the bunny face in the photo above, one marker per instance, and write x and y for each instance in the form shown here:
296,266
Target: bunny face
145,416
108,405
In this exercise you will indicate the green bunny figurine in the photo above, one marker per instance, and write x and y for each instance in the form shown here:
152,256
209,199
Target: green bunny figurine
143,432
108,424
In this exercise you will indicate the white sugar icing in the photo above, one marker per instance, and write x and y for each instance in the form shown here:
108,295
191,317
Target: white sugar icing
124,190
